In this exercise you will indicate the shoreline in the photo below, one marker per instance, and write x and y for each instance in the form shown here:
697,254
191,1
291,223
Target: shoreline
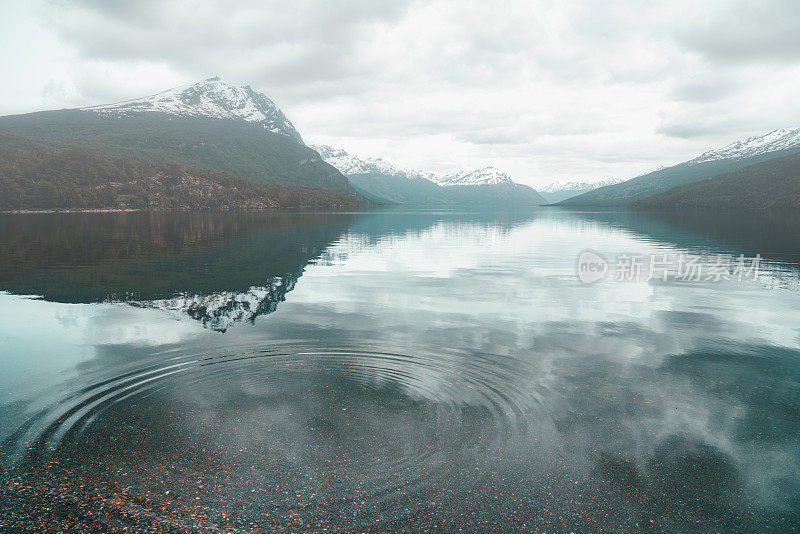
97,210
162,210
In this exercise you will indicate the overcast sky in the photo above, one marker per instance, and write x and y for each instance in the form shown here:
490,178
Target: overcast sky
546,90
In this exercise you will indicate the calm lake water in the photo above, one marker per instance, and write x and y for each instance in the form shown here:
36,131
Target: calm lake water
395,370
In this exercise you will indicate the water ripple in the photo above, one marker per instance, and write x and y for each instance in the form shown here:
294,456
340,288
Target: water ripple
349,425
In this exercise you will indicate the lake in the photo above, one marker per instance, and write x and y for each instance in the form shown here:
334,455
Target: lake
549,370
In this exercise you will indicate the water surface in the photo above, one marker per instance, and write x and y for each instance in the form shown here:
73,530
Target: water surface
395,371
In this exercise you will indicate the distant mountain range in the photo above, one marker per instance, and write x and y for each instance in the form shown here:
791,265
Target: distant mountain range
736,161
211,145
558,191
757,172
382,181
483,176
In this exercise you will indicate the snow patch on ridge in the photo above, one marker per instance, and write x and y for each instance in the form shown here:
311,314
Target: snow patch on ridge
484,176
560,186
209,98
349,164
780,139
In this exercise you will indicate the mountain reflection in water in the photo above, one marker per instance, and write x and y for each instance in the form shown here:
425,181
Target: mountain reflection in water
216,267
390,370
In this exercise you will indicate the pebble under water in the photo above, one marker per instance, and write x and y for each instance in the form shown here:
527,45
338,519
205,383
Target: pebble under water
392,371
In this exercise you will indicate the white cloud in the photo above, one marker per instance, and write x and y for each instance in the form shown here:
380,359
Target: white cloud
546,90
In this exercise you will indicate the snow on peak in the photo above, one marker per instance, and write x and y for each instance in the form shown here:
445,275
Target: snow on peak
484,176
559,186
349,164
209,98
779,139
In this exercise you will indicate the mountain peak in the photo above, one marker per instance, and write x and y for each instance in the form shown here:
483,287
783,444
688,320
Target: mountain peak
488,175
349,164
327,152
779,139
209,98
577,185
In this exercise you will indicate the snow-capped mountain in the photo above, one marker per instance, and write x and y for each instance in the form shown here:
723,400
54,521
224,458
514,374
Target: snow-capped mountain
379,180
780,139
562,186
562,190
349,164
210,98
728,159
483,176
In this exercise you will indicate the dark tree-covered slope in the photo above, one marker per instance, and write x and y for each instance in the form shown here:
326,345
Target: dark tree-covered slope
37,174
769,184
236,147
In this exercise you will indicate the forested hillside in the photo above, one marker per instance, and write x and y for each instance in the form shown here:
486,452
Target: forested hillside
770,184
47,174
236,147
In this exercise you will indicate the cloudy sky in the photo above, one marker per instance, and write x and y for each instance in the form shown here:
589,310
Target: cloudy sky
546,90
